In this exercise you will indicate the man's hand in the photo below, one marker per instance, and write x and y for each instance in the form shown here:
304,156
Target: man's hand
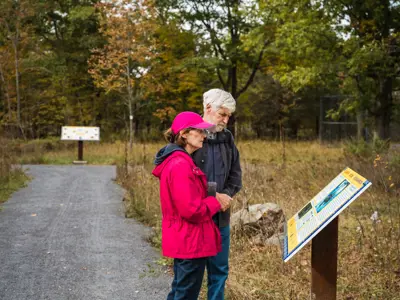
224,200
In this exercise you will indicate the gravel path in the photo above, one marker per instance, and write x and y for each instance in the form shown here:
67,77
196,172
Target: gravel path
64,236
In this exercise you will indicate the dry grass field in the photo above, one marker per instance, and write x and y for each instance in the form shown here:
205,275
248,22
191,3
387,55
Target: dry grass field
11,176
369,251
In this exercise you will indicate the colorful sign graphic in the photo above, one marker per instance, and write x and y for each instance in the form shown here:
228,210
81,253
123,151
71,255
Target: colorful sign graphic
322,209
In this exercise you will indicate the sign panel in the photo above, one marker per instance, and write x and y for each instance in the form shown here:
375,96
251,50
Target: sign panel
321,210
75,133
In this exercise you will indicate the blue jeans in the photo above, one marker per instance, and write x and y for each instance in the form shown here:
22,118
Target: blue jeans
218,268
188,276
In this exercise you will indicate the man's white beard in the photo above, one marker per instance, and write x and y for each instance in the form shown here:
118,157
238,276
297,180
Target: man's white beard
220,127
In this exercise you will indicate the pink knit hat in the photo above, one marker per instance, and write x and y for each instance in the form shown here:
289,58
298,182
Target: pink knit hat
188,119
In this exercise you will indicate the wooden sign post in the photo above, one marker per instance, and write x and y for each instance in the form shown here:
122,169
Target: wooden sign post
324,250
80,150
80,134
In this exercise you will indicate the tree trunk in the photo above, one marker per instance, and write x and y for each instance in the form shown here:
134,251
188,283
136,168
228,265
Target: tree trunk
130,128
136,128
14,42
383,118
136,98
130,103
233,91
360,126
17,89
282,138
6,93
130,123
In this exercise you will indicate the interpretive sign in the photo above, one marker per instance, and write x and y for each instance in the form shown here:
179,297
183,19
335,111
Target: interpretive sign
76,133
80,134
321,210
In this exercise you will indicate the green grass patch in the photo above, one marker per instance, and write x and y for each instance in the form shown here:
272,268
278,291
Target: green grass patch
14,181
57,152
67,158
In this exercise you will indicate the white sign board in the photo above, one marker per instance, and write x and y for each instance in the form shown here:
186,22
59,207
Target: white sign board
75,133
321,210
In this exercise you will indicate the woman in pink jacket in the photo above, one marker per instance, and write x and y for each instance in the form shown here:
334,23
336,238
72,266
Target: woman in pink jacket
189,234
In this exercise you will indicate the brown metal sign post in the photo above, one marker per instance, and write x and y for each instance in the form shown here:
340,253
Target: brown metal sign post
324,262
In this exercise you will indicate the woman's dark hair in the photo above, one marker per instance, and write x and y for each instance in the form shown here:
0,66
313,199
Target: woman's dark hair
176,138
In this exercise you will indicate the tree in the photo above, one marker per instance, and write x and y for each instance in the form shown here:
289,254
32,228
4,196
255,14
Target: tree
13,14
124,60
234,35
68,31
349,47
5,85
174,83
373,53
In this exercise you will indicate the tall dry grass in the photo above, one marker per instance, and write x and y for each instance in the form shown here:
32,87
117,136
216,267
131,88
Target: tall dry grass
6,158
11,176
369,251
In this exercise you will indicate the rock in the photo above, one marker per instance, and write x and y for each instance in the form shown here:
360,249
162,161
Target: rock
263,223
261,240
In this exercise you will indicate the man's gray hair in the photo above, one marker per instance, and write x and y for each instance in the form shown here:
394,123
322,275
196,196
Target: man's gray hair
218,98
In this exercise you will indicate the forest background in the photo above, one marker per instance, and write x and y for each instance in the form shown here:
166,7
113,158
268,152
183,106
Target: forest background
298,69
98,63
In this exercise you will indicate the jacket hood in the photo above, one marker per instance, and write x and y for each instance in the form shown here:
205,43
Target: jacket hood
166,151
165,154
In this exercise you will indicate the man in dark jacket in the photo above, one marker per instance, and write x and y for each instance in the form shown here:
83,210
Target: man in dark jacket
219,160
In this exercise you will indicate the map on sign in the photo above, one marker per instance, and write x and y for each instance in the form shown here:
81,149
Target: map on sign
322,209
75,133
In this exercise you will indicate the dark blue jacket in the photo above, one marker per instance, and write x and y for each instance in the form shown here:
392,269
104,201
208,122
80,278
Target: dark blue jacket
233,174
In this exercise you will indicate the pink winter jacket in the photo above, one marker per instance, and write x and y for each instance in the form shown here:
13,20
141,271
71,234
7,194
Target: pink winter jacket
188,230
